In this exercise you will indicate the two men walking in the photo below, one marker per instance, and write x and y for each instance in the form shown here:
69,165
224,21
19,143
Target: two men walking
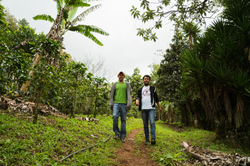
121,101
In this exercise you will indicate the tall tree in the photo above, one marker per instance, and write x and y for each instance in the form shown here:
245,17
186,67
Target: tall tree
192,31
218,69
170,71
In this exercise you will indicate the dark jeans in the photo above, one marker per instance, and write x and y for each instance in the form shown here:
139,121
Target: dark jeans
122,110
149,113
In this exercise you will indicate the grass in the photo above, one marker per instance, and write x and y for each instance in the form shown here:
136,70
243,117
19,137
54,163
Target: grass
168,150
53,138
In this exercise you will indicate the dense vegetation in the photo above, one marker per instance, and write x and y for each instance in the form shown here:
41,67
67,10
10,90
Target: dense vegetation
203,81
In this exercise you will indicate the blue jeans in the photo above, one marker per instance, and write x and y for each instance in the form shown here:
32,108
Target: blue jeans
122,110
149,113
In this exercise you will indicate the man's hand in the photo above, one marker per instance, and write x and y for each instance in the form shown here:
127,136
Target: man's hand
160,110
137,102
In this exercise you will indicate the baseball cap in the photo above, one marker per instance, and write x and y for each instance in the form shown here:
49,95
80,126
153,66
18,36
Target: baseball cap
121,72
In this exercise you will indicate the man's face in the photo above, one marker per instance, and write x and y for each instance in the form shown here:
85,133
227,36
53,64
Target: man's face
146,80
121,77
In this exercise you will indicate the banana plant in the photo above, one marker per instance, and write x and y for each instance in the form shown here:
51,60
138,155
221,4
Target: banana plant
66,21
66,10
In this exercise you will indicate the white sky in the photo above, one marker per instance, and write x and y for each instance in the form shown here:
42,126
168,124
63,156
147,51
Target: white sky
122,50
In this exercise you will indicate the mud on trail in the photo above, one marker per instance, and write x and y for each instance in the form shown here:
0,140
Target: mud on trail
131,154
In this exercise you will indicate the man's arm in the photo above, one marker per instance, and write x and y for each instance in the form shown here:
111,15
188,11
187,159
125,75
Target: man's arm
159,106
138,98
157,101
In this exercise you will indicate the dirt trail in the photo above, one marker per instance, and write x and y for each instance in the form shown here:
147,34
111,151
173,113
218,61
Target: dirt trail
131,155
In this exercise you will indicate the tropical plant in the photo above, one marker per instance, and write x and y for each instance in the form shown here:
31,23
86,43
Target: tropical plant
100,94
77,70
65,21
66,10
218,69
45,73
191,31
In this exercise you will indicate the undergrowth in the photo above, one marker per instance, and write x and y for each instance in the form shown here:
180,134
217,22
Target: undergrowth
53,138
168,150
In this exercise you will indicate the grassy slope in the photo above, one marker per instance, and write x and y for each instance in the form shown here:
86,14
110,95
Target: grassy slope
22,143
168,148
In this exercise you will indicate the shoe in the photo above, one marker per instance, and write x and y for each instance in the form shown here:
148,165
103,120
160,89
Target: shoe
116,136
123,140
147,142
153,141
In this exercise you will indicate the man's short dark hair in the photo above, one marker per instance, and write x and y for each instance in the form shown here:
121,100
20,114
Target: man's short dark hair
146,76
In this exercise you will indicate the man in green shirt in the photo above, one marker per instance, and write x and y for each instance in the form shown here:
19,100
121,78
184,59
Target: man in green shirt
120,102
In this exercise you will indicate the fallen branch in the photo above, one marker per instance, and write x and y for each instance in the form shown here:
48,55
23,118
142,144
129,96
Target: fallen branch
208,157
84,149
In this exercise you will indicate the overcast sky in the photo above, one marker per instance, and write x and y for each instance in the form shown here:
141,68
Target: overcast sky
122,50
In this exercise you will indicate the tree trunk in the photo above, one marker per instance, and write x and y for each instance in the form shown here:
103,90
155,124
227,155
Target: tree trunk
55,34
74,105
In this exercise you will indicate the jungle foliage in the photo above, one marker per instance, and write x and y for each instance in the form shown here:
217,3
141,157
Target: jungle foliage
68,86
209,85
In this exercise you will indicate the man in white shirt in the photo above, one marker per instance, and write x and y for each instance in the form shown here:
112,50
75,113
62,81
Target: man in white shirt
146,99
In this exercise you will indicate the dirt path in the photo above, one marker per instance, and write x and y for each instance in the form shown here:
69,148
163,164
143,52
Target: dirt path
131,155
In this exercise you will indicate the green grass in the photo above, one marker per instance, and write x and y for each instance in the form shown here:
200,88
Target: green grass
168,149
52,139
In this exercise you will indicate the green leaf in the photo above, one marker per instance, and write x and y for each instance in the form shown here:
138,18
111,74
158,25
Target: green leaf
81,16
44,17
72,13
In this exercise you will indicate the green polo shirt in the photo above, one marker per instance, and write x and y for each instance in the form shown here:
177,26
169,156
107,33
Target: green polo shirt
121,93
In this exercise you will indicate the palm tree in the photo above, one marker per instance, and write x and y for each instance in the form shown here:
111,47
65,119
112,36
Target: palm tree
218,68
66,21
191,30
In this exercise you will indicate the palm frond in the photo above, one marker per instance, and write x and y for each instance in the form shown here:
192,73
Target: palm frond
79,4
44,17
86,33
92,37
90,28
81,16
72,13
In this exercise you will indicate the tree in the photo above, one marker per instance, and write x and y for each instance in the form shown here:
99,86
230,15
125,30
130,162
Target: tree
77,70
135,81
3,21
170,70
179,11
154,76
11,20
64,22
191,31
23,22
66,11
218,69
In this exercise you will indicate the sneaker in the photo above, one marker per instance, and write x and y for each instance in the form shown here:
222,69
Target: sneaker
116,136
147,142
153,141
123,140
